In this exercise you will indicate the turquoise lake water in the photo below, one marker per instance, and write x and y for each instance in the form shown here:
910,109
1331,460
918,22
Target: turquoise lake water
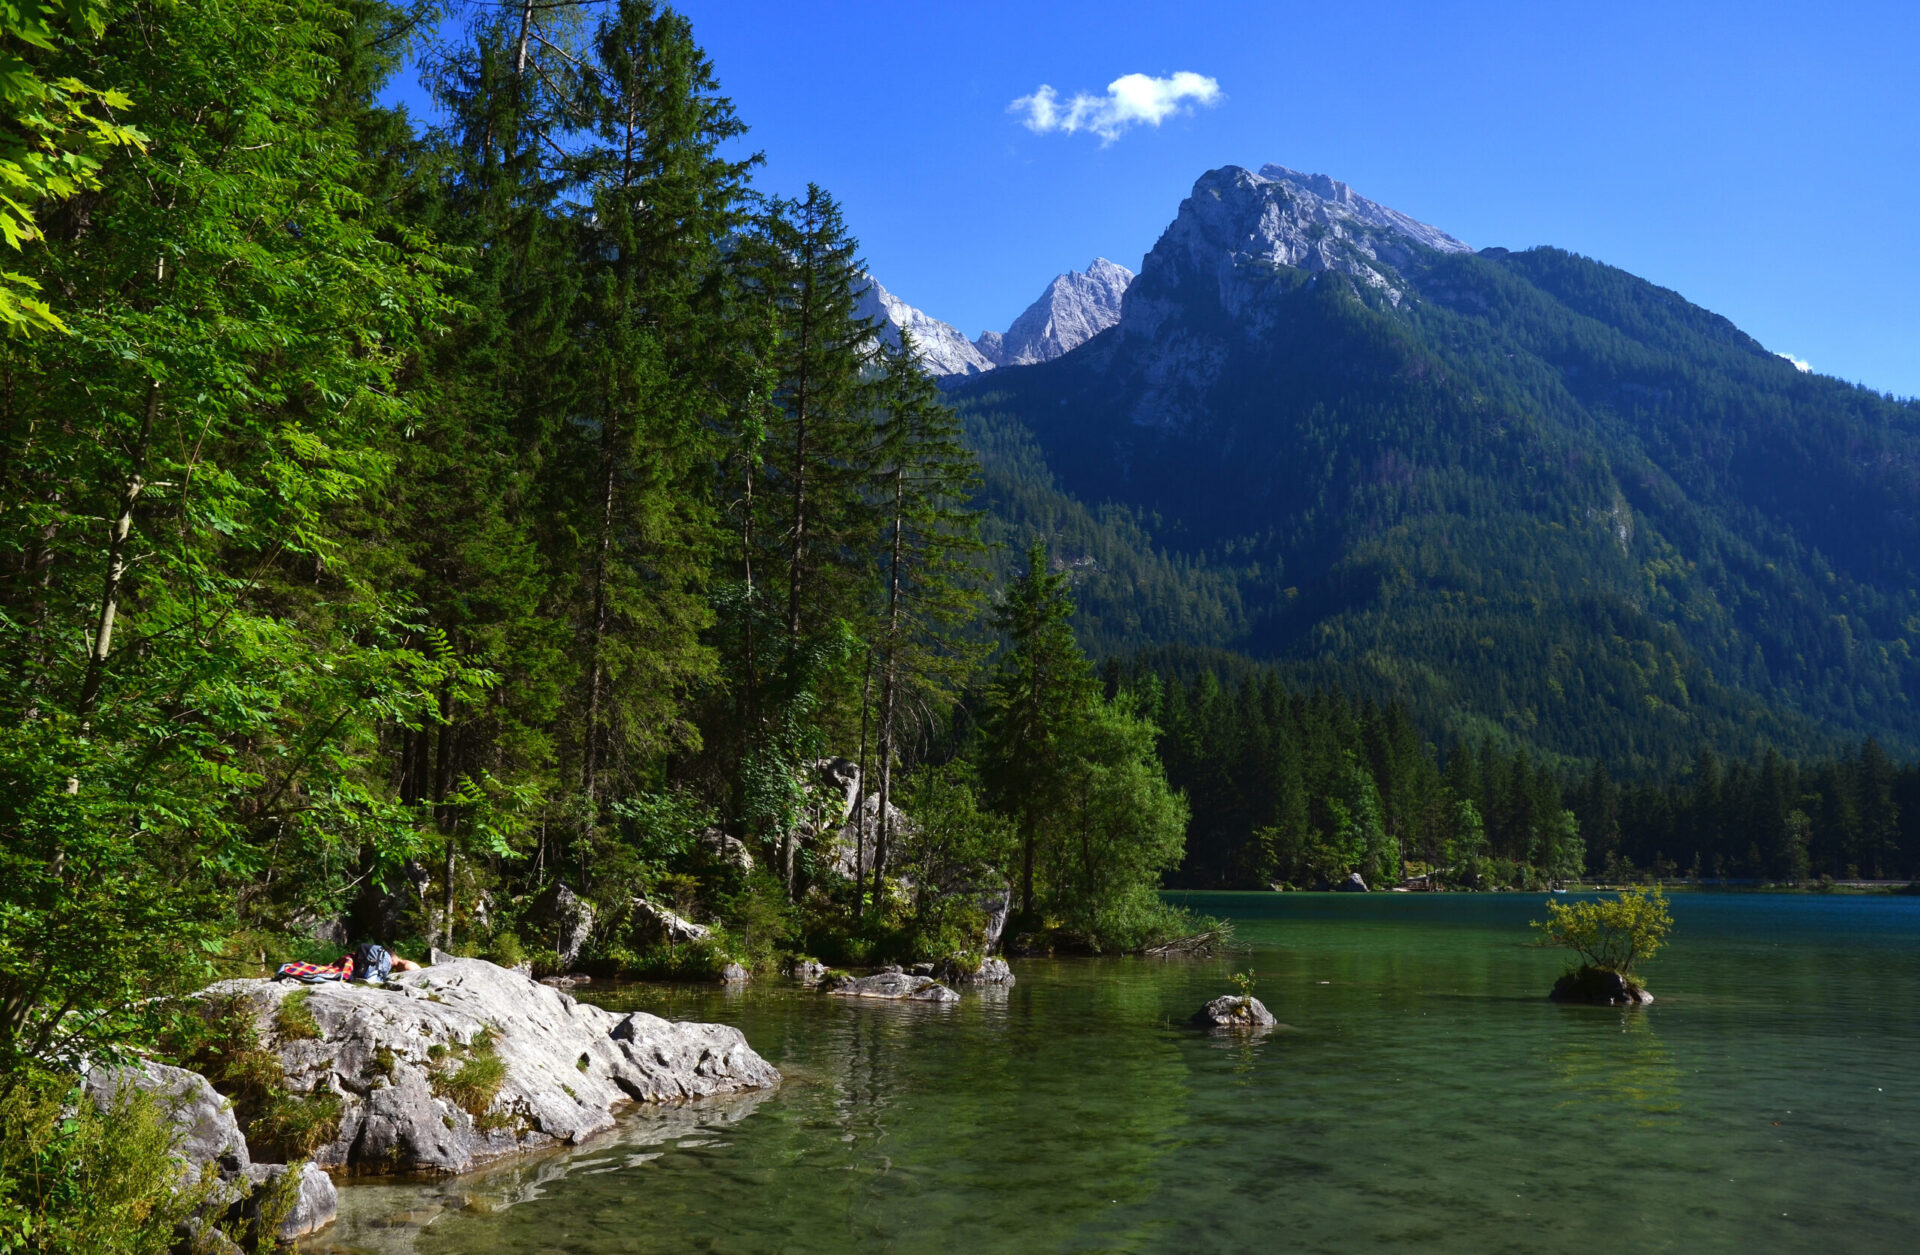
1422,1093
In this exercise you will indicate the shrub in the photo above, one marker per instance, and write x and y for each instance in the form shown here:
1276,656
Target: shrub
75,1180
294,1020
296,1125
505,949
476,1082
1611,934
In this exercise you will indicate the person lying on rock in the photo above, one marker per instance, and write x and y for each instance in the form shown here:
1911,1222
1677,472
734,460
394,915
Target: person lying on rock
369,964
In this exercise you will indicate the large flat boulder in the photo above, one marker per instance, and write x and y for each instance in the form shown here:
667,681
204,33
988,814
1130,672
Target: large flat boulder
463,1062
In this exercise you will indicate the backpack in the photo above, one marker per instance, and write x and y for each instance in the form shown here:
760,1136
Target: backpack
371,963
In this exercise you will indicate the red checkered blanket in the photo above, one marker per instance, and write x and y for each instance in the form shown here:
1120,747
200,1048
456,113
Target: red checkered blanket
313,973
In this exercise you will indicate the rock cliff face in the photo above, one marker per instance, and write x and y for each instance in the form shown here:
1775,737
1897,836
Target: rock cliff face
1237,227
1076,307
464,1062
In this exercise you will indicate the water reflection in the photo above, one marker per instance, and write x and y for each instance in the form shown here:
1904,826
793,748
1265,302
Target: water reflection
1612,1063
389,1219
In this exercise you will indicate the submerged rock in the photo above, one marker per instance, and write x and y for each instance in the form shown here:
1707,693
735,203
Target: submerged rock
1599,987
893,984
1234,1011
734,974
462,1062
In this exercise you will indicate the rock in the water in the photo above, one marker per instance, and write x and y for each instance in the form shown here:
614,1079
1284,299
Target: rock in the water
922,969
560,918
807,970
1600,987
1234,1011
894,984
315,1201
959,970
734,974
462,1062
1352,884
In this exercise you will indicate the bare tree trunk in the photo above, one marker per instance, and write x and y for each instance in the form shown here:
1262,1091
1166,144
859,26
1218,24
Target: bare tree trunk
860,796
117,559
1026,865
801,398
526,29
889,699
590,751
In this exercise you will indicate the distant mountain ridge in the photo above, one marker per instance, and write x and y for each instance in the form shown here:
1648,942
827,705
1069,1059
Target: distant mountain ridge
1075,307
1536,497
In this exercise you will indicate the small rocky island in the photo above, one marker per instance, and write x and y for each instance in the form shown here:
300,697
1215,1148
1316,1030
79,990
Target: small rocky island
1600,987
1242,1012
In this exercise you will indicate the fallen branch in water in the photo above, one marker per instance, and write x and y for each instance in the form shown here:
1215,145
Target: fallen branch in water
1206,942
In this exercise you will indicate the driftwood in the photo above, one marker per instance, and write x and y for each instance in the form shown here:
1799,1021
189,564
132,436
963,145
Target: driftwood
1206,942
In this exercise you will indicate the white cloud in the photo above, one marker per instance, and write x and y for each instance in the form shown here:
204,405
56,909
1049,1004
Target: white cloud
1803,367
1131,98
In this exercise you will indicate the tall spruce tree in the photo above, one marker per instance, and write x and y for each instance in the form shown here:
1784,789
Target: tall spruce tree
1041,692
924,476
659,204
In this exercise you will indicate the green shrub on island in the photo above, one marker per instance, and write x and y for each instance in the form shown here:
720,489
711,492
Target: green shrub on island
1611,936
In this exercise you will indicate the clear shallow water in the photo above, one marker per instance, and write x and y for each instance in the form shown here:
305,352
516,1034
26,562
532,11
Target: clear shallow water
1423,1092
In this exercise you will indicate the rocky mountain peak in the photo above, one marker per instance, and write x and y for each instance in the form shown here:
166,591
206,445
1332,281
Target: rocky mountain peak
1237,226
943,350
1075,307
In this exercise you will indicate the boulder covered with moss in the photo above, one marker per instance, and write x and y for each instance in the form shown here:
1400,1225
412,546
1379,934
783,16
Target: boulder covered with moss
1600,987
452,1065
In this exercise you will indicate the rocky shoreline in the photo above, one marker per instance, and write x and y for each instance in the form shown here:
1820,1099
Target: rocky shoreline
438,1072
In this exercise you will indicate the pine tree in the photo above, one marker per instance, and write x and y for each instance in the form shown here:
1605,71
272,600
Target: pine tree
1042,690
924,475
660,203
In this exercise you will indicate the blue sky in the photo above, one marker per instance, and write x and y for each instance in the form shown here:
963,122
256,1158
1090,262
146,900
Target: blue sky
1763,159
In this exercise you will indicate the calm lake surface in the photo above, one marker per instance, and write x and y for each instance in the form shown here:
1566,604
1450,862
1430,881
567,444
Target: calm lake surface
1423,1092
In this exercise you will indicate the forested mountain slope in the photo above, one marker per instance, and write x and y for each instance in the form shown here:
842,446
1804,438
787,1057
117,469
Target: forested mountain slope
1529,494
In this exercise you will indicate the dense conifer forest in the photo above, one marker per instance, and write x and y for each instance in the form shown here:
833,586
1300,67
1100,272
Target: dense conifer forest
399,523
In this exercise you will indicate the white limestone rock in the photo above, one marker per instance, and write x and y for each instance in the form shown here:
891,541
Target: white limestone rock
1075,307
941,347
568,1065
